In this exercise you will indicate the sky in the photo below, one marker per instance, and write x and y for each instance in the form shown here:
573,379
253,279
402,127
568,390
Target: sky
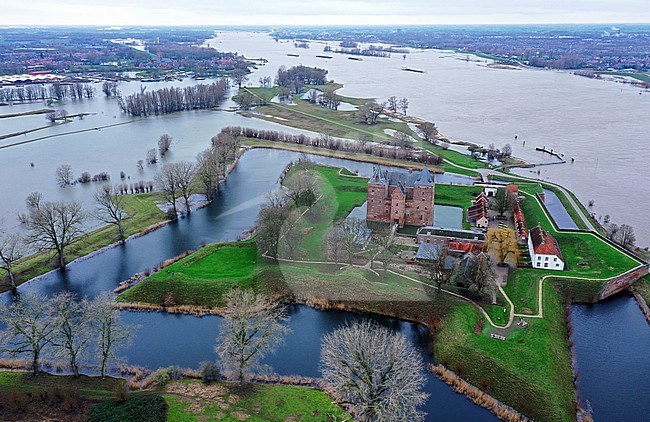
320,12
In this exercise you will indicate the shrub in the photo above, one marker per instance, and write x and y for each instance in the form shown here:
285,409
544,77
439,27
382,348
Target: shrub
209,371
150,408
163,375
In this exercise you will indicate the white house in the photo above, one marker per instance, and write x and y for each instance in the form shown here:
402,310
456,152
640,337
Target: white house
482,222
544,250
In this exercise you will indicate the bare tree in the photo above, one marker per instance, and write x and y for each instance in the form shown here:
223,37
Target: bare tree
239,77
382,239
72,332
110,208
210,167
369,112
270,220
56,225
354,236
436,267
504,242
625,235
503,201
152,158
393,104
140,165
401,140
165,181
506,150
11,250
252,328
303,187
335,242
29,328
64,175
375,371
184,173
33,200
404,105
164,143
111,334
429,131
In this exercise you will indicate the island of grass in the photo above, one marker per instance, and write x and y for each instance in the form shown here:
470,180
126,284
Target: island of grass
142,212
530,370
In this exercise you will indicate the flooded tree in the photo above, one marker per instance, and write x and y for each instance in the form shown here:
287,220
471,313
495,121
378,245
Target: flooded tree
109,88
152,158
625,235
56,225
251,330
28,328
64,175
239,77
175,181
12,248
164,143
375,371
110,209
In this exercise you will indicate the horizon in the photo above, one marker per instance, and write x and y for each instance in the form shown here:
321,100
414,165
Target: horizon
321,13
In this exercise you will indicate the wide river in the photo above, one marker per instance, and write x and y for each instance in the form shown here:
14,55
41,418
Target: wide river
604,125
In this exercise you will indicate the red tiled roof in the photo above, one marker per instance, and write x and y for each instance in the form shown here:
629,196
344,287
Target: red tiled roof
544,243
513,188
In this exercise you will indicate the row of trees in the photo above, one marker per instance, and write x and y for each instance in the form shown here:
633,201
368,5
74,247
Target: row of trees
369,368
324,141
56,91
65,177
173,99
394,104
78,332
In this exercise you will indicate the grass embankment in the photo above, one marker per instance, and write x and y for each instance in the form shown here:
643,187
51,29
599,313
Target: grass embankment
643,77
530,371
27,113
142,212
194,401
643,288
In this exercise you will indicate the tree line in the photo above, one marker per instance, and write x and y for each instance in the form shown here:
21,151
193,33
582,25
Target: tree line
173,99
56,91
297,77
64,328
335,144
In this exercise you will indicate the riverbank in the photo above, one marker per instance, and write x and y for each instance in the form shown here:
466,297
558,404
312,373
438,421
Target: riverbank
143,216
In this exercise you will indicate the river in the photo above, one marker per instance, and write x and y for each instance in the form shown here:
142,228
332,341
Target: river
604,125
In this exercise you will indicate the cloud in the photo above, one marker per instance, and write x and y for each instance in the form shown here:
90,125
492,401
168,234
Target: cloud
319,12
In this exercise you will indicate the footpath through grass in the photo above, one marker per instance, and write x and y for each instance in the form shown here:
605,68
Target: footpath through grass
142,212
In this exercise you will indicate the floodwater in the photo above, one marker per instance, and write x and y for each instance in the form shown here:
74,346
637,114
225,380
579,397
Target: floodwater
604,125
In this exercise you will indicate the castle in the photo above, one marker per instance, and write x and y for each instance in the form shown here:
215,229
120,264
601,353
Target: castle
401,197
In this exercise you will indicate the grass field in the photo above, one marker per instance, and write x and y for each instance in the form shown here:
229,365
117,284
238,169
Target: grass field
142,212
222,402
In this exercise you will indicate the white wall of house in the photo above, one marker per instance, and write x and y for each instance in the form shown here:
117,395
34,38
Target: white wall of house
547,262
482,223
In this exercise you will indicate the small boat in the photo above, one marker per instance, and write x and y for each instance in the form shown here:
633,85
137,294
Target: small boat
293,55
322,56
358,59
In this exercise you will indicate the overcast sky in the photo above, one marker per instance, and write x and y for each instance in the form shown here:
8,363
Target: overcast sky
319,12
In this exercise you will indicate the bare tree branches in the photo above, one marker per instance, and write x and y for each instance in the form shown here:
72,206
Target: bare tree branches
64,175
376,372
56,225
29,329
12,249
251,330
72,326
110,208
111,334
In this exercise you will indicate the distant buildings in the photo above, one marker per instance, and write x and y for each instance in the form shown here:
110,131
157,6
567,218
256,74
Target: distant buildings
401,197
544,250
